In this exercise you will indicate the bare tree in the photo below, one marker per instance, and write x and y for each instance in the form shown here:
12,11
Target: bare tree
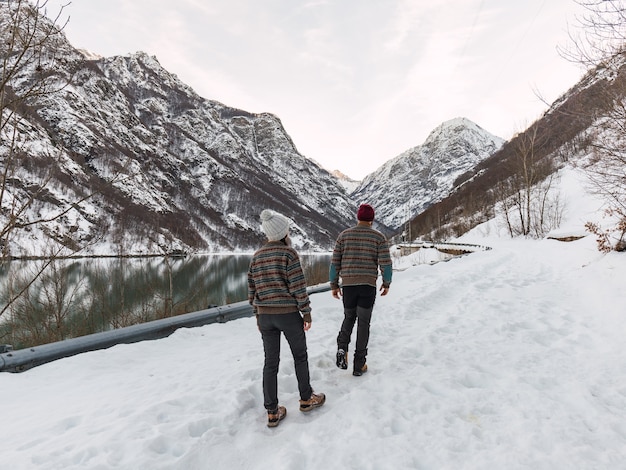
607,175
600,43
600,36
36,65
30,54
27,59
527,199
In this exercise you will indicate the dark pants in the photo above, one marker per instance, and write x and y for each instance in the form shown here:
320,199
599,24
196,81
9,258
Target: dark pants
271,326
358,303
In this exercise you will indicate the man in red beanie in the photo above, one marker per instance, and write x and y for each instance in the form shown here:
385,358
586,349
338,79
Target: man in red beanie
359,253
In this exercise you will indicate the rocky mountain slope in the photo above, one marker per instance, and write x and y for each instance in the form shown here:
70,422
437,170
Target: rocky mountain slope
414,180
166,169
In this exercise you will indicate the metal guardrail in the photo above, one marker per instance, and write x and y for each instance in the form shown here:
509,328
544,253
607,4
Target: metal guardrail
24,359
468,247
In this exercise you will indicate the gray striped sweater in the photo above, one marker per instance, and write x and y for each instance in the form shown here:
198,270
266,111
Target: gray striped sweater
358,254
276,282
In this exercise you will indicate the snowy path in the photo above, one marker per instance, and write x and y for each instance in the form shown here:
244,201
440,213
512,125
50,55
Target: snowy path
510,358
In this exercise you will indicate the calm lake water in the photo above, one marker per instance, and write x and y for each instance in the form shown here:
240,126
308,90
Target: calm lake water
82,296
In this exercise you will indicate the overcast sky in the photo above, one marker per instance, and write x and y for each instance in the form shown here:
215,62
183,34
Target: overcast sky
354,82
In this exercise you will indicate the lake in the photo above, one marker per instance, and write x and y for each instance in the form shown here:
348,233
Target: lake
75,297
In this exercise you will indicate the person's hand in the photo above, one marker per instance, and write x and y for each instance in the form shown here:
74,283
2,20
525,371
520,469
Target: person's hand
384,290
336,293
307,321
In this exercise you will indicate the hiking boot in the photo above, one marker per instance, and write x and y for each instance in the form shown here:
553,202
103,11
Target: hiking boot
316,400
361,371
276,416
342,359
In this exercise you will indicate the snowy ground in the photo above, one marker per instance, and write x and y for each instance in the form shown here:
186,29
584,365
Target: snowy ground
511,358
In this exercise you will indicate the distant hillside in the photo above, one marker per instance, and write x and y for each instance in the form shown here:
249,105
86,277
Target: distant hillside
550,141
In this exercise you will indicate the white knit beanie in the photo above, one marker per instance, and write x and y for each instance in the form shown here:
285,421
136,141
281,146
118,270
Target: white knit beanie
275,225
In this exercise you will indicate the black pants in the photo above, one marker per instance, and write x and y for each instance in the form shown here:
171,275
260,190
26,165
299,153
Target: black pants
358,303
271,326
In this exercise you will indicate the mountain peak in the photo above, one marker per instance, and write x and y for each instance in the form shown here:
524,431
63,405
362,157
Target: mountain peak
453,128
423,175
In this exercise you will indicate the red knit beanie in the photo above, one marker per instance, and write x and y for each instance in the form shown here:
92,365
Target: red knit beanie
365,213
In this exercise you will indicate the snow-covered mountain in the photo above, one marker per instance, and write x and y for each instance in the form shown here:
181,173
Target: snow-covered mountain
124,158
168,169
409,183
348,183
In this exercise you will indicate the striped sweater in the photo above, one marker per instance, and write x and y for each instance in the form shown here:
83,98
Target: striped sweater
358,253
276,282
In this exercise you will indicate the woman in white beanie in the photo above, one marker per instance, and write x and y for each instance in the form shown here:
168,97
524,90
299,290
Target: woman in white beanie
277,293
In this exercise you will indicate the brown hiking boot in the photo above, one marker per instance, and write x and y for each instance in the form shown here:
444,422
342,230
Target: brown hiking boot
276,416
315,401
361,371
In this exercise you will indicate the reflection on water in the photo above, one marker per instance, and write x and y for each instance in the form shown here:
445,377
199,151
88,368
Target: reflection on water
82,296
